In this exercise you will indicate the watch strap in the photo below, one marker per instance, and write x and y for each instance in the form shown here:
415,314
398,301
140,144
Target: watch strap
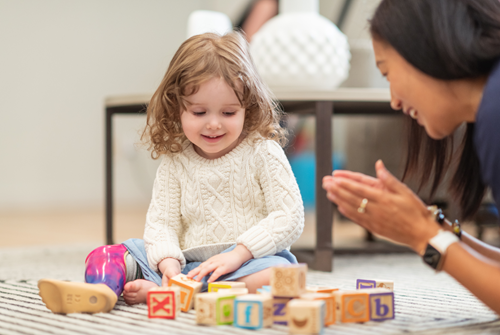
443,240
436,249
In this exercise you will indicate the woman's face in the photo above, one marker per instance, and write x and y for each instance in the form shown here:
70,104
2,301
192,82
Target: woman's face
432,102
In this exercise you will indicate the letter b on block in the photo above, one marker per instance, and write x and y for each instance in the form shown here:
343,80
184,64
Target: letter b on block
381,306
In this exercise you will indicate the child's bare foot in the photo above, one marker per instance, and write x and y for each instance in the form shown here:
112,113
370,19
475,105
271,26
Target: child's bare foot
135,292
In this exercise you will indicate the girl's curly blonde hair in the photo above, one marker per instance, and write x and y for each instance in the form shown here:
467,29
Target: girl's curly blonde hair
199,59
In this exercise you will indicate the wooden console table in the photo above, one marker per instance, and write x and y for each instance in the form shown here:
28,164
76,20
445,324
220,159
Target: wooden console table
322,104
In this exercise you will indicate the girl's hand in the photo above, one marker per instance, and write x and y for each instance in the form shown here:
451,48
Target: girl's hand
221,264
169,267
392,211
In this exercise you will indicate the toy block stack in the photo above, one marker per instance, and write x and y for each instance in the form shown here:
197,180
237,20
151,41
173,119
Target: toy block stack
188,287
287,282
366,304
214,308
216,286
163,302
253,311
287,301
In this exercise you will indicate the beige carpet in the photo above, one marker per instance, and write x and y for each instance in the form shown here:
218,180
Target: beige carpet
425,302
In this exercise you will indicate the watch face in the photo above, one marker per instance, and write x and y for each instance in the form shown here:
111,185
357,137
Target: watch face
431,256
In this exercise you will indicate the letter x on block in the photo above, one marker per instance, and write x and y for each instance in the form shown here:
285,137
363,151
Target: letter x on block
161,305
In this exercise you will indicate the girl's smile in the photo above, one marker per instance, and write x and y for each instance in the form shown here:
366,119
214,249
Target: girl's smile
212,138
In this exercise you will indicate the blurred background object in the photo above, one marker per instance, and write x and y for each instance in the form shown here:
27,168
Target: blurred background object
300,49
207,21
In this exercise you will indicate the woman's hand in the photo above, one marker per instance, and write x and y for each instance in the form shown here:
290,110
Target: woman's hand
355,176
392,211
221,264
169,267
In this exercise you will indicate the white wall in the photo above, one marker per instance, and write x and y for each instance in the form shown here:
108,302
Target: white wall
59,59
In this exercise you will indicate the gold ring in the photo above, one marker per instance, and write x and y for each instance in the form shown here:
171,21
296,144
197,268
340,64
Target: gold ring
362,206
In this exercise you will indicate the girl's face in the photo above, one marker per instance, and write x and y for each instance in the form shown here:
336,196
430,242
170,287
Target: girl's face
432,102
214,118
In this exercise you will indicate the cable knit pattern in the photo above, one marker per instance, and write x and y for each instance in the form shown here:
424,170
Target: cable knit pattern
201,207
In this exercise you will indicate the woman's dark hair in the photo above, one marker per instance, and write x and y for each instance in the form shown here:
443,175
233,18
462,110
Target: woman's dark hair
448,40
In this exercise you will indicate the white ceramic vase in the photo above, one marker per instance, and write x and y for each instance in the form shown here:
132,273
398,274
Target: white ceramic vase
300,49
206,21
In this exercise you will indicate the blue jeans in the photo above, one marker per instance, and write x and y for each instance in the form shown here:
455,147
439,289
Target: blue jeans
136,248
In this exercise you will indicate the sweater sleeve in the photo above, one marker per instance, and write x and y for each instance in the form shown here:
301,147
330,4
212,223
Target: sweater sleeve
163,220
285,220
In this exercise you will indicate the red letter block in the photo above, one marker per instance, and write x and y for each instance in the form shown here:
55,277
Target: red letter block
163,302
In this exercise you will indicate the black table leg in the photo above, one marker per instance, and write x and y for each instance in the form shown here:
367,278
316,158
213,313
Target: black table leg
323,255
109,176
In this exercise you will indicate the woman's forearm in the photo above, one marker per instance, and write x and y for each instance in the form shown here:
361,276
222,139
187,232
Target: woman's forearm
478,274
481,247
478,245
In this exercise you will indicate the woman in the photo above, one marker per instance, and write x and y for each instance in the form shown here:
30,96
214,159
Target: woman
442,60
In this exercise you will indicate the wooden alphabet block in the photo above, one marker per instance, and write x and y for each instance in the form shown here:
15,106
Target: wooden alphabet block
305,316
163,302
189,288
280,316
253,311
330,305
214,308
381,304
321,289
266,289
233,291
374,283
288,281
214,287
352,306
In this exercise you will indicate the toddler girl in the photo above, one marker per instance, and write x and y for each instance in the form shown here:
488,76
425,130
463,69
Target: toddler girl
225,203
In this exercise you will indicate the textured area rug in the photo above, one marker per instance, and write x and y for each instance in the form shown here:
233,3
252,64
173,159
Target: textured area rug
425,302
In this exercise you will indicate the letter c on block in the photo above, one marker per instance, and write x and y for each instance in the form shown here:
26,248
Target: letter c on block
350,307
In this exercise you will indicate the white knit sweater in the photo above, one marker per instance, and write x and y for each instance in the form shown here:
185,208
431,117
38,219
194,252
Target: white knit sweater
201,207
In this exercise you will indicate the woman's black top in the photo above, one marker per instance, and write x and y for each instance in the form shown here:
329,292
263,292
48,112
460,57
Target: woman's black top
487,134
